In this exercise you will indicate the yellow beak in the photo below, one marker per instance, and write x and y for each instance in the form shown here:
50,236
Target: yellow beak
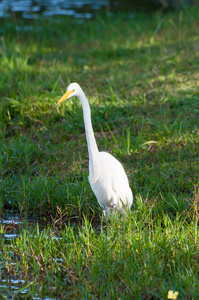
64,97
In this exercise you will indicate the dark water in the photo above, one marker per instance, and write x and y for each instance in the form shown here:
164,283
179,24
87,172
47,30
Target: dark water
30,9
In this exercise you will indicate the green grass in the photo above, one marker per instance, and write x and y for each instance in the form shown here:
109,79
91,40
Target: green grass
141,78
138,258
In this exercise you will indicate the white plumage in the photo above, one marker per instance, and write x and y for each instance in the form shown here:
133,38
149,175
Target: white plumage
107,177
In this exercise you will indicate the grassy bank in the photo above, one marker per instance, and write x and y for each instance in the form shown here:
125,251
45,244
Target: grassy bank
141,76
140,259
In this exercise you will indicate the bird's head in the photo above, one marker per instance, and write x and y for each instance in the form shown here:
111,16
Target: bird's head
72,90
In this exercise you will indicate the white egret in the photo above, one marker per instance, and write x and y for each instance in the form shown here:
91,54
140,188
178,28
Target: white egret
107,177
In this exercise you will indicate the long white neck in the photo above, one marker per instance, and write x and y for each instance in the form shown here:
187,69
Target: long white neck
94,165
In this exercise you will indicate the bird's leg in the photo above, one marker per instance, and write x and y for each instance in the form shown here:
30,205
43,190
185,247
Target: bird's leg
104,215
114,206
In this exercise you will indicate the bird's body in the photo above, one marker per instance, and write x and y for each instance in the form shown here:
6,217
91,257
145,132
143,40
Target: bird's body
112,188
107,177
